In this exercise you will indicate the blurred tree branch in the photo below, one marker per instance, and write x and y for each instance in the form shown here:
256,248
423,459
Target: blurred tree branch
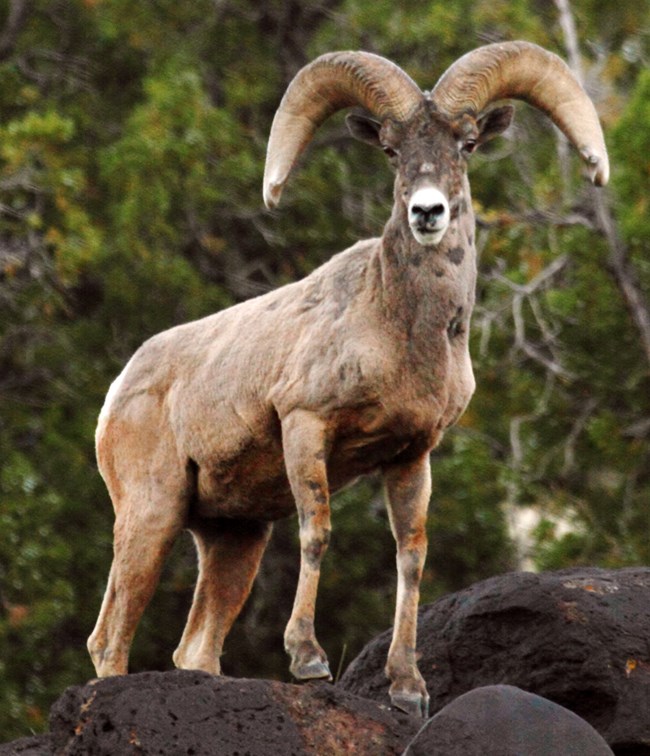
618,261
19,12
527,292
622,270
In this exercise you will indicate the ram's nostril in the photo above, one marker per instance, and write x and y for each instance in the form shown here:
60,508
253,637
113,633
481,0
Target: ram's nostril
428,212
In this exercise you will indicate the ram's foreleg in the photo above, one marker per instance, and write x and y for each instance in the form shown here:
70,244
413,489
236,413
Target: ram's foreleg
408,489
304,444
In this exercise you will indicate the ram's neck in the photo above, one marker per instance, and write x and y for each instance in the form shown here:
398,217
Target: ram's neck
427,292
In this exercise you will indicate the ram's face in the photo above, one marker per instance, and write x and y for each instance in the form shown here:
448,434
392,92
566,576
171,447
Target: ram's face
430,156
429,153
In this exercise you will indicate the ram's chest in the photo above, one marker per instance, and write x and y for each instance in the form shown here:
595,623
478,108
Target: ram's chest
368,438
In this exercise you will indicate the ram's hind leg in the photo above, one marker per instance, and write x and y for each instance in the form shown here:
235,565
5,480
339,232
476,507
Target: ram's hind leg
229,554
143,535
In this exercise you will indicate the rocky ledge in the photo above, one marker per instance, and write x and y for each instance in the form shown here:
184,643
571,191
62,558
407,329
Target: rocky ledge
562,658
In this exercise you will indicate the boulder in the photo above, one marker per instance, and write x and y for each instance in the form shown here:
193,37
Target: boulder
508,721
578,637
184,712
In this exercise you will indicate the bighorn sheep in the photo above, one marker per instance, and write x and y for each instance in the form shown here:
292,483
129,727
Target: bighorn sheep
226,424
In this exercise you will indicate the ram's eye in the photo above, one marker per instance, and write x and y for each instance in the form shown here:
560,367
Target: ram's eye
390,152
469,145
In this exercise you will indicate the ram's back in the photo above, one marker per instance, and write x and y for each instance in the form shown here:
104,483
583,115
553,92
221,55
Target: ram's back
216,389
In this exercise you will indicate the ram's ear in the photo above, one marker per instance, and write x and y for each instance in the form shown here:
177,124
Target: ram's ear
494,122
364,128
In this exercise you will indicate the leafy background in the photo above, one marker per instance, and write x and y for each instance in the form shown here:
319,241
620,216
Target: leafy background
132,141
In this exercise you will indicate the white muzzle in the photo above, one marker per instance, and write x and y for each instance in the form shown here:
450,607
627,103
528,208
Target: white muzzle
428,214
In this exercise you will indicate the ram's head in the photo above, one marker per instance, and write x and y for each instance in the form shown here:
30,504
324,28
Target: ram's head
429,136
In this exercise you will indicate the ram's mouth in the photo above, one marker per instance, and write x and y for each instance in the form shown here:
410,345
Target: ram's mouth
428,237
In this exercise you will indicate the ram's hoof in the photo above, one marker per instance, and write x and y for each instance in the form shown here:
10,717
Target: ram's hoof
313,670
412,703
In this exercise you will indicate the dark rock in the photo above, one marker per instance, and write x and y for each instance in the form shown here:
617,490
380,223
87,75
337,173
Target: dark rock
185,712
502,720
35,745
578,637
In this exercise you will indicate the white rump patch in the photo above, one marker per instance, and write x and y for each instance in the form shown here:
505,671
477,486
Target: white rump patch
110,398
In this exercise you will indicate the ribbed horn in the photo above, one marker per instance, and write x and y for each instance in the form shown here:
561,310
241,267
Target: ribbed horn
524,71
332,82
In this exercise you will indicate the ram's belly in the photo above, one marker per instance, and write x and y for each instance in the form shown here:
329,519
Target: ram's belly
255,485
248,478
249,483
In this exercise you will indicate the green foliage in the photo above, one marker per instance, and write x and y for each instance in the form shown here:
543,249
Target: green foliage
630,144
467,532
132,143
47,189
163,164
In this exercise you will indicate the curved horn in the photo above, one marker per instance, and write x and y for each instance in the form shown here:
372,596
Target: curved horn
332,82
527,72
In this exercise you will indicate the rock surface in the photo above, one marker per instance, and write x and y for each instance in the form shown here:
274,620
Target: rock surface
184,712
578,637
508,721
34,745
